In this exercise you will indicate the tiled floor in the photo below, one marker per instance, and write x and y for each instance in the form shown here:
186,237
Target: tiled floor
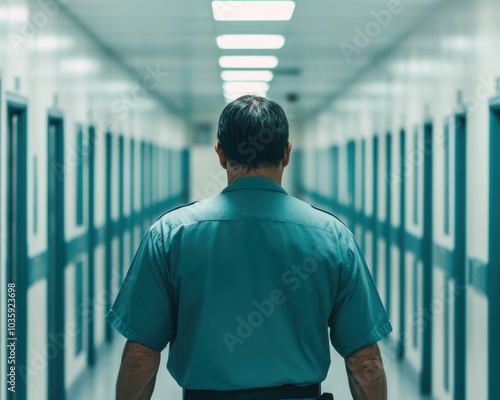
100,381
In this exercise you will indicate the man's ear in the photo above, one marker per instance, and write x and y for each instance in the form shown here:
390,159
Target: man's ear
220,153
286,155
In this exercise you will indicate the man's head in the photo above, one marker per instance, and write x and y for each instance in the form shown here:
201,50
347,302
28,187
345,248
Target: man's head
253,135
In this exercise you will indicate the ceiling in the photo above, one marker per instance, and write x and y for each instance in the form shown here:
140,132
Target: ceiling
179,37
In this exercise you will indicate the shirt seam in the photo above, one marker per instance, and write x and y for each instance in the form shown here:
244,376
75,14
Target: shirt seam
274,189
172,228
158,237
265,189
260,183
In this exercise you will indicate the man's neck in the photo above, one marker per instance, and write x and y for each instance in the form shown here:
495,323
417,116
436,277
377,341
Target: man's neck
271,173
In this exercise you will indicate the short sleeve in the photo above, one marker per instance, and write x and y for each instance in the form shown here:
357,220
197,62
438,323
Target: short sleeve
144,308
358,318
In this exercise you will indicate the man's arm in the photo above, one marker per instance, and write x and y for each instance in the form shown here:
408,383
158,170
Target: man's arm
366,374
137,376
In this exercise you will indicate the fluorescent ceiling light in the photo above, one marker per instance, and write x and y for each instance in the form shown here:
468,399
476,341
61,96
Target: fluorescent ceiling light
458,43
383,88
79,66
14,14
230,96
248,61
263,76
145,104
422,67
53,42
249,87
250,41
110,87
253,10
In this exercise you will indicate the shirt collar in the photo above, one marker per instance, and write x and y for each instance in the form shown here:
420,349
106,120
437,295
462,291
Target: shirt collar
254,183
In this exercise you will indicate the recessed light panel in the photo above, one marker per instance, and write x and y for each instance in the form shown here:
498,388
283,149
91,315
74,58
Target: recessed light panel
253,10
248,61
14,14
53,42
262,76
249,87
250,41
79,66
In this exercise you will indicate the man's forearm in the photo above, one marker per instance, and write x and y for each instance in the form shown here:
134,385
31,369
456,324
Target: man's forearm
137,376
366,374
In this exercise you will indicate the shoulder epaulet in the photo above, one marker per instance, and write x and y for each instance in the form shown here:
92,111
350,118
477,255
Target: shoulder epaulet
328,212
176,208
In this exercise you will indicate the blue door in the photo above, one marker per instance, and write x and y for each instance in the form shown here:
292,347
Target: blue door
56,257
16,251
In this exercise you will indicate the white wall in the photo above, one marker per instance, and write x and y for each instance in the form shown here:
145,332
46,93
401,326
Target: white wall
50,57
208,178
455,48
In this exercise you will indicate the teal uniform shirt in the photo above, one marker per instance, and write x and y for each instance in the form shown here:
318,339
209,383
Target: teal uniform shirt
249,287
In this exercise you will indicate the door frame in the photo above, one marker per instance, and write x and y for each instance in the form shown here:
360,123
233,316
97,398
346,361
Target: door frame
121,208
109,231
375,199
402,245
17,235
388,223
494,252
56,249
460,255
427,255
91,244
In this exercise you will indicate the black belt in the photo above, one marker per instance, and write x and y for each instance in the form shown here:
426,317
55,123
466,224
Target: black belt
270,393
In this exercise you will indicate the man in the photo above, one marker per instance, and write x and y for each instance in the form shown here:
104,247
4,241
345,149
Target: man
245,285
